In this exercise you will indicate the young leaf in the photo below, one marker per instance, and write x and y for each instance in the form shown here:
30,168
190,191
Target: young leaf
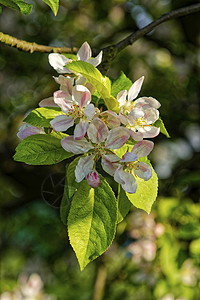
42,116
65,202
53,4
159,123
92,221
101,83
41,149
23,7
120,84
146,192
124,204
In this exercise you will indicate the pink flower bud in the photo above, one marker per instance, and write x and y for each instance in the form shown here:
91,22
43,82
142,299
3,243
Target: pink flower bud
93,179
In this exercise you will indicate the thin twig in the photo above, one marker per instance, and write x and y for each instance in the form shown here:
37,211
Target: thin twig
112,51
33,47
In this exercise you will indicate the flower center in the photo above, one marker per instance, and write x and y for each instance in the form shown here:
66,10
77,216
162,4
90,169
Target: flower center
76,111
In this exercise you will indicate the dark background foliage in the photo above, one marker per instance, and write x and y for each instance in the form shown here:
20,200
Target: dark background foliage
155,256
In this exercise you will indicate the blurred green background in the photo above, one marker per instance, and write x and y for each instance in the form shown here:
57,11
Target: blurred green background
154,256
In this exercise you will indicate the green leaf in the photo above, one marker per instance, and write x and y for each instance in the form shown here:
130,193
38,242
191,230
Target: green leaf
42,116
41,149
53,4
120,84
124,204
92,221
23,7
72,184
101,83
146,192
65,202
159,123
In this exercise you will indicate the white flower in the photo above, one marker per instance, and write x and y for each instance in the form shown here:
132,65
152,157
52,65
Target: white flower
59,61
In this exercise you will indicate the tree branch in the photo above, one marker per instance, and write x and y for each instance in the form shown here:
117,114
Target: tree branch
33,47
111,52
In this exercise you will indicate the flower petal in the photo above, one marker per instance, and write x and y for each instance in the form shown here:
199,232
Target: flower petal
49,102
123,118
75,146
110,118
126,180
63,100
66,84
135,89
142,148
84,53
89,111
93,179
97,131
128,157
149,131
26,130
143,171
96,60
151,115
81,95
134,115
117,137
147,100
108,165
121,98
80,129
84,167
62,123
137,136
58,61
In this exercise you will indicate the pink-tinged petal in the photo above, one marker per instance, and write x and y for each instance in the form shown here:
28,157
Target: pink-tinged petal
121,98
112,157
149,131
142,148
96,60
108,165
117,137
111,118
128,157
80,129
89,111
147,100
84,53
63,100
58,61
26,130
93,179
143,171
137,136
123,118
84,167
134,115
66,84
97,131
76,146
62,123
126,180
81,95
135,89
49,102
151,115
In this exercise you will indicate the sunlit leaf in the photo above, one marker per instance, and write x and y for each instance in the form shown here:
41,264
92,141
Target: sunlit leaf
159,123
124,204
42,116
41,149
121,83
100,82
53,4
92,221
23,7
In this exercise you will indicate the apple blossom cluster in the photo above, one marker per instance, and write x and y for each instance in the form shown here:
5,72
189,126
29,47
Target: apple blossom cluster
97,133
